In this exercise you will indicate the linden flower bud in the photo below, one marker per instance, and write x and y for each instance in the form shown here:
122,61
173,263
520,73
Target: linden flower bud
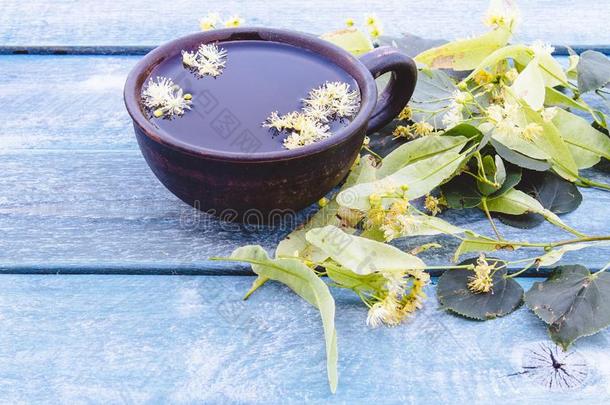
405,114
399,207
158,113
422,128
323,202
483,77
188,96
349,22
375,199
482,281
433,205
402,132
366,141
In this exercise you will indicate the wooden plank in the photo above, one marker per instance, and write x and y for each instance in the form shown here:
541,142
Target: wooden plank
87,211
130,339
142,22
77,197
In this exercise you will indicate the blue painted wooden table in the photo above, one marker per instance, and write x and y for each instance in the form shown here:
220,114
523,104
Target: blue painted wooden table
77,197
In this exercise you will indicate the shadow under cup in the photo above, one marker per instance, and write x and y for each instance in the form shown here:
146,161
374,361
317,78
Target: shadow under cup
238,180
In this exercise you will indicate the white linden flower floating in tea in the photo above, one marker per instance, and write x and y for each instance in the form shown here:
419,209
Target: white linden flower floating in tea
208,60
164,98
331,101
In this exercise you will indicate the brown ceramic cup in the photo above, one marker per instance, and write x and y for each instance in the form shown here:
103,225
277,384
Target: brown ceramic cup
259,186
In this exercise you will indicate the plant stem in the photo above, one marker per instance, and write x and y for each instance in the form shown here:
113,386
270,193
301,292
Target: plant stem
520,271
547,245
592,183
491,221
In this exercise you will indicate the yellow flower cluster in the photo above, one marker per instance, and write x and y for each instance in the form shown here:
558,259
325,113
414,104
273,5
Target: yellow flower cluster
396,305
413,131
372,24
333,100
213,21
434,205
482,281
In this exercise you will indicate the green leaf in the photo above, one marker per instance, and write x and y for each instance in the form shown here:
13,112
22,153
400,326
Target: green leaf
432,96
555,255
361,255
418,149
519,159
530,86
521,54
586,144
465,54
551,70
573,302
554,97
420,177
296,245
350,39
593,71
554,193
552,144
303,281
519,145
453,293
516,202
462,192
479,243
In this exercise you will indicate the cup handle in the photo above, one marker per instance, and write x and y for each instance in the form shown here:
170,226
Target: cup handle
400,88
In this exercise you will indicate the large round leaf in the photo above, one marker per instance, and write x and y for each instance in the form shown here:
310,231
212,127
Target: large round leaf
453,294
573,302
554,193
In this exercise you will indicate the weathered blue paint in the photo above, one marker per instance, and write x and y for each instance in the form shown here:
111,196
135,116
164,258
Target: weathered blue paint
148,23
77,197
137,339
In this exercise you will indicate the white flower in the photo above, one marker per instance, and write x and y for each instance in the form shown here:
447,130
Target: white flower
453,116
209,22
386,312
157,92
165,98
333,99
396,282
189,58
461,97
541,48
505,118
502,13
176,104
329,101
209,60
234,21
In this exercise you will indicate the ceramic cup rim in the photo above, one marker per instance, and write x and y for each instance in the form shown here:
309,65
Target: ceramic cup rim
335,54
